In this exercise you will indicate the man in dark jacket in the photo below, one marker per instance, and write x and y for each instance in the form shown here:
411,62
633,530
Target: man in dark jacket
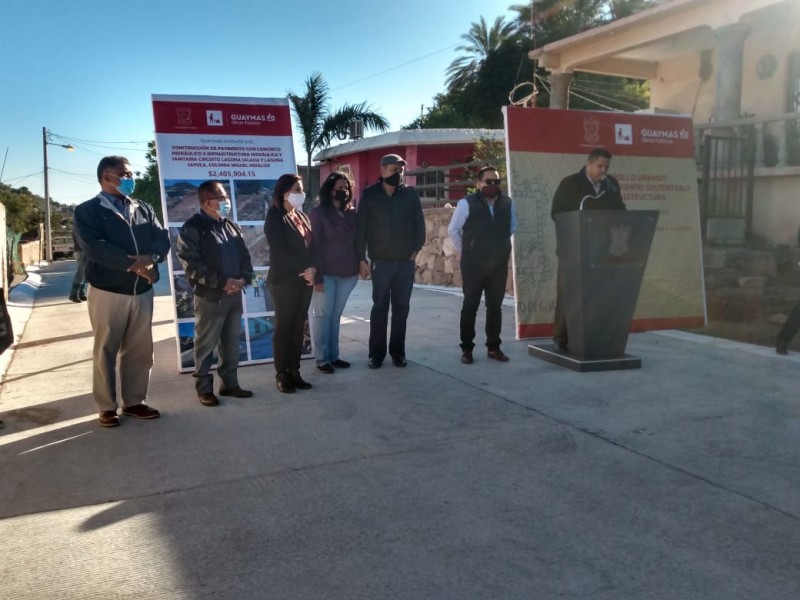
218,266
480,230
123,243
391,230
597,190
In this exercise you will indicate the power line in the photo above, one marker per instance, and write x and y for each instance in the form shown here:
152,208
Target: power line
413,60
612,109
25,176
97,141
609,98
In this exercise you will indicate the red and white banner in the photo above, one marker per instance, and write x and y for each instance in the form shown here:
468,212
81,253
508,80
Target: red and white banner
246,143
654,162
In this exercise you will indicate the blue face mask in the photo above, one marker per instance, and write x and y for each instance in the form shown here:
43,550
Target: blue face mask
224,208
126,186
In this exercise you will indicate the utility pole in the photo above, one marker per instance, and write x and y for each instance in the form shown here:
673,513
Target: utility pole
48,230
48,234
3,170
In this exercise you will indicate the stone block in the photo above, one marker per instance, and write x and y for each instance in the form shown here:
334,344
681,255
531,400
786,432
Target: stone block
427,277
447,248
457,281
442,279
449,265
438,264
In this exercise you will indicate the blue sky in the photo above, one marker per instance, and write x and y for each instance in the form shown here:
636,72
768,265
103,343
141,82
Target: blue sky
86,69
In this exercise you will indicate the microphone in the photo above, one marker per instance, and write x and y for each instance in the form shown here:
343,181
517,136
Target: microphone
608,183
590,197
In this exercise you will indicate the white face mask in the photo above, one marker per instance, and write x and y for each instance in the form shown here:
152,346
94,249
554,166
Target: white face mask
296,199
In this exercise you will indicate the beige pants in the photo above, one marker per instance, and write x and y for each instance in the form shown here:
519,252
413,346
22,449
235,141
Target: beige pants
123,326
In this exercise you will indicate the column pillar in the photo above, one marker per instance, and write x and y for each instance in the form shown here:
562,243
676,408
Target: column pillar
559,89
730,56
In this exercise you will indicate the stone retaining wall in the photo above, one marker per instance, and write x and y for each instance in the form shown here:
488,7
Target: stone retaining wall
438,262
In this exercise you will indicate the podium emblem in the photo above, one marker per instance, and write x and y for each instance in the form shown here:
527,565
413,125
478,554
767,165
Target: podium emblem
620,240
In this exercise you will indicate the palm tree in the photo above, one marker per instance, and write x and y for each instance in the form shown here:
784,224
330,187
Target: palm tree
482,42
318,124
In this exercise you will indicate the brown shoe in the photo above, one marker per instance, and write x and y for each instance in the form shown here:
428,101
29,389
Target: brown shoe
208,399
497,355
466,357
141,411
108,418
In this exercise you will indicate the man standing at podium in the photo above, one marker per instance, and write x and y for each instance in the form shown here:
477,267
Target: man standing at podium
480,230
598,191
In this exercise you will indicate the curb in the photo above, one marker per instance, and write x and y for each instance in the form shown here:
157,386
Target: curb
20,305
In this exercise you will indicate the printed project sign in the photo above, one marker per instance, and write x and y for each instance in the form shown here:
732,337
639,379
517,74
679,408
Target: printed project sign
246,143
654,162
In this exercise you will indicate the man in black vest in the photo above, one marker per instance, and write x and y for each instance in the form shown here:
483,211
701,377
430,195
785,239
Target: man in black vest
480,230
598,191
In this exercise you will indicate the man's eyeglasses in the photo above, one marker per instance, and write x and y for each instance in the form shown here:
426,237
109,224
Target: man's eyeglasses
491,181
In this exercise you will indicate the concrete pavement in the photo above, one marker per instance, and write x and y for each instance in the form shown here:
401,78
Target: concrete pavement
442,480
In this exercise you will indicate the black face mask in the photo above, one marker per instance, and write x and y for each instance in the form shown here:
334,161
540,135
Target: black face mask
392,180
341,196
491,191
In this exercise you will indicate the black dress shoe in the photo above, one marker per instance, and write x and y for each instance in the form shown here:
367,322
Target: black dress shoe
466,357
141,411
208,399
497,355
399,361
284,382
326,368
341,364
236,392
561,345
298,381
375,363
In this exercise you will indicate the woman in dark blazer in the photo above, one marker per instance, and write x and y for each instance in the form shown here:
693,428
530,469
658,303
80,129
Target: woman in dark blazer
290,278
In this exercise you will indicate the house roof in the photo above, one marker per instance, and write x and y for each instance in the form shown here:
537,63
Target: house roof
634,45
410,137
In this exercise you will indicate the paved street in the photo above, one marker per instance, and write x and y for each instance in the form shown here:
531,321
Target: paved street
442,481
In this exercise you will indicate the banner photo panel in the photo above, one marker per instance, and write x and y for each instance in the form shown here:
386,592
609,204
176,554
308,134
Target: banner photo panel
654,162
246,144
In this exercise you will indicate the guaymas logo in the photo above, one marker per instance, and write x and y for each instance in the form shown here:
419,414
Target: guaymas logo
253,118
669,134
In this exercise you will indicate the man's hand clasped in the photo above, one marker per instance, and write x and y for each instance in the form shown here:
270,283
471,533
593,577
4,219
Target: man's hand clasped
143,267
233,286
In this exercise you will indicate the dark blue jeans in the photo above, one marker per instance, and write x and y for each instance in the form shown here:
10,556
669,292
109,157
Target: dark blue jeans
392,283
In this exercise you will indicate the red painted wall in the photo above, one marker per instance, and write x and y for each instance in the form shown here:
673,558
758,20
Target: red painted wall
365,165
